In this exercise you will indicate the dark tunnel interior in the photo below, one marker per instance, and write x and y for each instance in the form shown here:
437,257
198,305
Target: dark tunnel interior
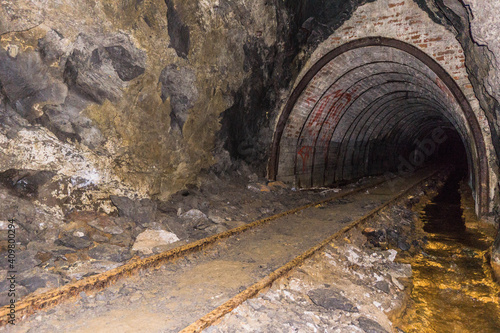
372,108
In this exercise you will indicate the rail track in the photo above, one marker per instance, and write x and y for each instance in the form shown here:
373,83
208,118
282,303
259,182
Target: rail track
194,285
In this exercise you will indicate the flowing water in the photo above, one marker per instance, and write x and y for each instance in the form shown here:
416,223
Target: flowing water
454,289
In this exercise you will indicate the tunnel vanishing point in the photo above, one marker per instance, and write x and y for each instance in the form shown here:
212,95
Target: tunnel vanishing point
140,98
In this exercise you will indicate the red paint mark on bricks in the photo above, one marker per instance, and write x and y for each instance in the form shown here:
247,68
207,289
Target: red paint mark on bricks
310,100
324,104
333,116
304,153
436,39
446,52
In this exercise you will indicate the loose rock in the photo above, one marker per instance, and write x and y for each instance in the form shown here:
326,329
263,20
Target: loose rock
110,253
150,239
332,300
370,326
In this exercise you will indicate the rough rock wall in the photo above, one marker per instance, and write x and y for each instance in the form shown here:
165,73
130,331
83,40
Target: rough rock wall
121,97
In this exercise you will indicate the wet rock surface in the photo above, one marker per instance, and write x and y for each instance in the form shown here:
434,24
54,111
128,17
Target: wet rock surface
178,85
124,98
110,113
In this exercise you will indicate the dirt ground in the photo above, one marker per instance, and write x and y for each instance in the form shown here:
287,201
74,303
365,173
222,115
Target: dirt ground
176,294
53,249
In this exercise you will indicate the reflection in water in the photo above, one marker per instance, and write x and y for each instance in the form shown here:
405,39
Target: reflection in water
454,290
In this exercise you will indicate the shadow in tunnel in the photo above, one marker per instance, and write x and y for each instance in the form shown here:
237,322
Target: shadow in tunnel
444,214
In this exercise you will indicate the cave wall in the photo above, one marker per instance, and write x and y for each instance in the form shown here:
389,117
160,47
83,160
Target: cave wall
122,97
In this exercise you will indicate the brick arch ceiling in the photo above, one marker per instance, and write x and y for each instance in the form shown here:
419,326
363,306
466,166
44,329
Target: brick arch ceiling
362,107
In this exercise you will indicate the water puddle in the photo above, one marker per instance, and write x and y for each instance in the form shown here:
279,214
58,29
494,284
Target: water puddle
454,290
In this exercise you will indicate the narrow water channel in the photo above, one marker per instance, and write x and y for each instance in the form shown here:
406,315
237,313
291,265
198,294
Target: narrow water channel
453,287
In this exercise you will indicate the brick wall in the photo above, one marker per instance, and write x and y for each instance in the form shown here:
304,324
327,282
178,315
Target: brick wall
320,116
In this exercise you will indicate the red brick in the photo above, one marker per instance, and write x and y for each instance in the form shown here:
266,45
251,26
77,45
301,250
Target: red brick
446,52
392,5
436,39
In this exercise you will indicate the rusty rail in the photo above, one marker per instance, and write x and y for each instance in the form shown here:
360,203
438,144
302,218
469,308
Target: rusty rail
94,283
267,281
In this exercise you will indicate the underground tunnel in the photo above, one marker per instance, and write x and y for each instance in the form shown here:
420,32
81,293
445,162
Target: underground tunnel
372,106
268,165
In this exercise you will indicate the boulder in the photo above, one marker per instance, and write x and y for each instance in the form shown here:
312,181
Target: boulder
149,239
107,225
370,326
74,242
196,219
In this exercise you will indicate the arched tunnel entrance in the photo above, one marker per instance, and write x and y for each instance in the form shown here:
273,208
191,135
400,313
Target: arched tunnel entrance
372,106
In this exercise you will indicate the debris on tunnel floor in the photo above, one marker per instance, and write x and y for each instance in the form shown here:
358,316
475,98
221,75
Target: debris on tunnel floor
216,273
56,250
357,284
